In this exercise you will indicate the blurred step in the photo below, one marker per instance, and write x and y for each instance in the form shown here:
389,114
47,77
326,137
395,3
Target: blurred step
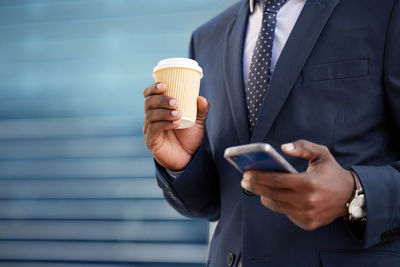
91,147
69,127
102,251
78,168
115,188
40,263
133,231
108,105
17,12
91,209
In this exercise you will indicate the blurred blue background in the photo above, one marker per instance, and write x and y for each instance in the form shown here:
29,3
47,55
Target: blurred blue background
77,184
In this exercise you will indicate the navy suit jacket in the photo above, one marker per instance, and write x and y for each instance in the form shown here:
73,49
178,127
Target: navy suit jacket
336,83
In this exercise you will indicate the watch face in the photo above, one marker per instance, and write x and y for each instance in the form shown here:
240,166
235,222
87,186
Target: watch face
356,208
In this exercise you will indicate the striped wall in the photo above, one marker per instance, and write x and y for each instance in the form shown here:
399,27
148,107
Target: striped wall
77,183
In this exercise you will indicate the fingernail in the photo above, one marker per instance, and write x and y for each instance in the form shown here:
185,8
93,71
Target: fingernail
175,122
288,147
174,113
245,185
246,177
160,86
172,102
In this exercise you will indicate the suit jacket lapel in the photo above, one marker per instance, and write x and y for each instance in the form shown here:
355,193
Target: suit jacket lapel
233,72
298,47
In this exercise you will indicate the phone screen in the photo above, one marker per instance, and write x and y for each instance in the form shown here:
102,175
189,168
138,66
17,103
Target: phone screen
256,161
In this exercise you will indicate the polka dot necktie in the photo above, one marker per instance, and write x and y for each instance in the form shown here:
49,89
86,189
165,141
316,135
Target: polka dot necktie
260,67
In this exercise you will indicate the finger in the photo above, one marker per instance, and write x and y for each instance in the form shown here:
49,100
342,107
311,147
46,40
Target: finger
155,115
281,195
155,89
160,101
155,129
276,180
306,150
276,206
304,219
162,115
203,106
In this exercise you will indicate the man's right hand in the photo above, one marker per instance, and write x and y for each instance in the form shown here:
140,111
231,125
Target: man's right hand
172,148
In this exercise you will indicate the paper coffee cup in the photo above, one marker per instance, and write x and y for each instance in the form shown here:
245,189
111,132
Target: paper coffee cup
182,77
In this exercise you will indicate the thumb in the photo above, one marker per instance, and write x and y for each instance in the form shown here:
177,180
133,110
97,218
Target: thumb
307,150
202,109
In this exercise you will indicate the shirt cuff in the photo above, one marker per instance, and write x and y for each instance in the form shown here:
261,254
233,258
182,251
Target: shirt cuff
173,174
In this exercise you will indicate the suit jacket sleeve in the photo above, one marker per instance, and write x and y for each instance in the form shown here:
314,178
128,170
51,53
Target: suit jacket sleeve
195,192
382,183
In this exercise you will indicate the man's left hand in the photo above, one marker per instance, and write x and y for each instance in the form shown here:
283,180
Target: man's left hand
310,199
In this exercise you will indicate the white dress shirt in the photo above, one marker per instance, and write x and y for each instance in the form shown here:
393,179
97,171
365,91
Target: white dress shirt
286,18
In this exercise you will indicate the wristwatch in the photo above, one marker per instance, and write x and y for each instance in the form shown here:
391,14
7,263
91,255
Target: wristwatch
356,205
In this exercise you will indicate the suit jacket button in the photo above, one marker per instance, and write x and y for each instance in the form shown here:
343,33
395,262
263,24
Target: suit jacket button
230,259
385,236
171,194
248,193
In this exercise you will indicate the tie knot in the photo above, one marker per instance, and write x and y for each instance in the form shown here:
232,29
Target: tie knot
272,6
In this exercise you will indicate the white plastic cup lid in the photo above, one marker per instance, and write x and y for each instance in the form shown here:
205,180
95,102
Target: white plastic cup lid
179,62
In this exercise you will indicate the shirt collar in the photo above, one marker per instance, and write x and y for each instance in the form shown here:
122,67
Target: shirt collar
251,4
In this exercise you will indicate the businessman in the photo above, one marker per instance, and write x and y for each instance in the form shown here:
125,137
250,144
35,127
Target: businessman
319,79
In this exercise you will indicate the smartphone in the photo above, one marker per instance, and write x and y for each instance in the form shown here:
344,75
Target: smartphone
257,156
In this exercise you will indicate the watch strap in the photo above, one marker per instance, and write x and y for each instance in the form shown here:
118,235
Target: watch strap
357,192
357,183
